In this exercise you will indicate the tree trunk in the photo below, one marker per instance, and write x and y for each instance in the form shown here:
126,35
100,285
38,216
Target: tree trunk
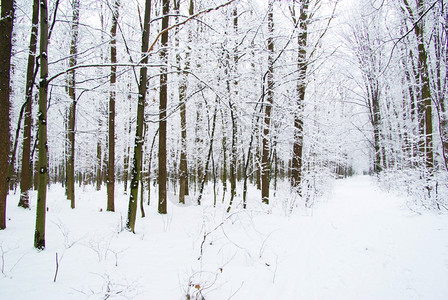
209,156
72,110
137,160
25,182
162,108
127,148
233,151
99,164
199,145
183,166
302,63
233,155
424,104
376,122
441,80
425,96
39,233
111,140
265,165
6,25
224,158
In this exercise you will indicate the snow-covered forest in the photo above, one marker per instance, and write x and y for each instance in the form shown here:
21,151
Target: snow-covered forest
217,149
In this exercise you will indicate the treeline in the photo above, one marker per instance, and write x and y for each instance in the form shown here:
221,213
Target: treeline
176,95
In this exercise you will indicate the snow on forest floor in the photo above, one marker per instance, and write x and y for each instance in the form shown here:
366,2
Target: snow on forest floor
358,243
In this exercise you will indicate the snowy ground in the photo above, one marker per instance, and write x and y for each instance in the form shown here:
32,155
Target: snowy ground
359,243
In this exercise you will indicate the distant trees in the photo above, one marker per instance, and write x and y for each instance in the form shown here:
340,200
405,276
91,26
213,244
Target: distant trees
366,42
402,81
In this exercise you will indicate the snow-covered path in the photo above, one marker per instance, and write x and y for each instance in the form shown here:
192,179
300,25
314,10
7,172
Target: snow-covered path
359,243
363,244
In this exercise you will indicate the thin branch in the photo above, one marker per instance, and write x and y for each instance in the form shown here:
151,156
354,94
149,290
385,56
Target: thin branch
186,21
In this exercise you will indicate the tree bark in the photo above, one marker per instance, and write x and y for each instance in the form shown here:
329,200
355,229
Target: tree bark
265,165
137,160
39,233
424,99
25,181
6,26
99,164
224,158
232,107
302,65
209,156
72,109
183,166
162,109
112,96
127,148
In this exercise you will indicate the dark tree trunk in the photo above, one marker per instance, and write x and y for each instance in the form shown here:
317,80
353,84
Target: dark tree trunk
72,109
162,109
265,165
424,98
112,96
6,25
233,150
302,63
39,233
137,160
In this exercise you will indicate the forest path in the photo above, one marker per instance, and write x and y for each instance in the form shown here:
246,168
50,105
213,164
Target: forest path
365,244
